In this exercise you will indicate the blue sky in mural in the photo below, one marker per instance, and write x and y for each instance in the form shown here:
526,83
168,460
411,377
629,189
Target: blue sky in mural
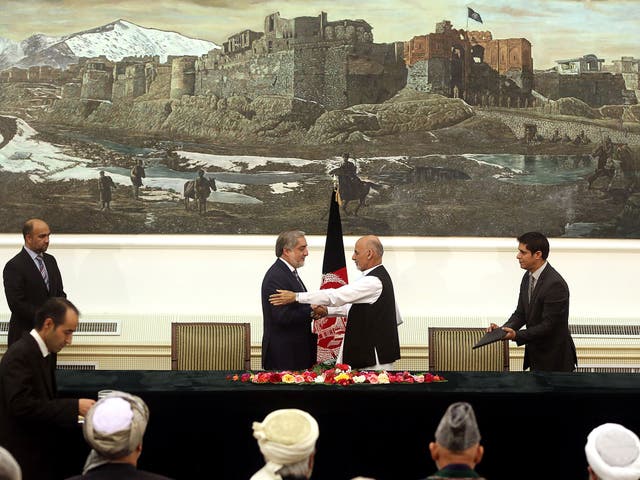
557,29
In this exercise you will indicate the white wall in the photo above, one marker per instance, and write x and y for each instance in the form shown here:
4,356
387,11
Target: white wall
432,276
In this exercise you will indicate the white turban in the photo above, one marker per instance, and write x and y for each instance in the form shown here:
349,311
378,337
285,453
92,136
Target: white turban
613,452
9,468
285,437
114,427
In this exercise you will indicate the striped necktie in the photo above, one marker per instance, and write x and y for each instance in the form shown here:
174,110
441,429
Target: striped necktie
43,270
295,274
532,285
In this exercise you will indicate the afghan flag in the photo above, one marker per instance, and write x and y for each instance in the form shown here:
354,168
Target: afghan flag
472,14
330,330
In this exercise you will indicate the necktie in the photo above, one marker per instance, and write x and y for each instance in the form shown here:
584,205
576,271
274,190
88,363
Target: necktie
295,274
532,285
43,270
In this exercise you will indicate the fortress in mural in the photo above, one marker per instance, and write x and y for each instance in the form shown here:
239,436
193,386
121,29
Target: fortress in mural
336,64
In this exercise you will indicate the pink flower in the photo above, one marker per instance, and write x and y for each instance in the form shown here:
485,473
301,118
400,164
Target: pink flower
341,374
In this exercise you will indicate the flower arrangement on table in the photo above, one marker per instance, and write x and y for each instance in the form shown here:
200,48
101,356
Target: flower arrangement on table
334,374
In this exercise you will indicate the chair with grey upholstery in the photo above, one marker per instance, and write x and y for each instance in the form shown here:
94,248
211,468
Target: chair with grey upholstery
210,346
451,349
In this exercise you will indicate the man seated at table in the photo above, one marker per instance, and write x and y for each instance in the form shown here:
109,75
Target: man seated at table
613,453
457,448
114,428
9,468
287,440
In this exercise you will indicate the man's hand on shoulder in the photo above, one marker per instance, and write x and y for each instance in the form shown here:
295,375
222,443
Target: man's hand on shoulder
283,297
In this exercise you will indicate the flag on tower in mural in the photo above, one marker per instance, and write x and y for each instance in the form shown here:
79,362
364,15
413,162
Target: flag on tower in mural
330,330
474,15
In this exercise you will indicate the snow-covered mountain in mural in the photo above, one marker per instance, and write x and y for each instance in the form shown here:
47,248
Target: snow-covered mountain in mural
114,40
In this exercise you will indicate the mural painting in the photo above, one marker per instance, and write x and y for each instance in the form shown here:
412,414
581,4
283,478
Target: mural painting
206,117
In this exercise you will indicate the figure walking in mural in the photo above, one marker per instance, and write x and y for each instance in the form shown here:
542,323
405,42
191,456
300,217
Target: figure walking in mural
199,190
603,153
105,184
350,186
623,159
137,174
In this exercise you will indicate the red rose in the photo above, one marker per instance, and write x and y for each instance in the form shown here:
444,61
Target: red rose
275,378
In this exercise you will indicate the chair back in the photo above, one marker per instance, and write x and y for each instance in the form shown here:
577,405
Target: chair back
210,346
451,349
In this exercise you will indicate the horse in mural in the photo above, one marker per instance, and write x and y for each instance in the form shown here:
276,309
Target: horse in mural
351,187
198,190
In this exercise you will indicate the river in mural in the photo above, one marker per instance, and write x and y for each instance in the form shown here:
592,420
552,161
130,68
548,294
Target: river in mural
431,194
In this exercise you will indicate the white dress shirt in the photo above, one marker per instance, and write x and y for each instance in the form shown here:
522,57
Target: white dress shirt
366,289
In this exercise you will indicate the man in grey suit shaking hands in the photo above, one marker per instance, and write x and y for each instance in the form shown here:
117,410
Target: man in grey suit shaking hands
543,307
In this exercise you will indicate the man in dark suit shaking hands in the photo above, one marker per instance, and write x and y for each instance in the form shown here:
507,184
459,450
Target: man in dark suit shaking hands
543,307
30,278
287,340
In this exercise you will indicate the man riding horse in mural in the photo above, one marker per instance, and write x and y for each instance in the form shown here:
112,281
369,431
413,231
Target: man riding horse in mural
350,186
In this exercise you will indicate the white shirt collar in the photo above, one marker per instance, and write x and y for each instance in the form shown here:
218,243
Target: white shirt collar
366,272
31,253
287,264
43,346
538,272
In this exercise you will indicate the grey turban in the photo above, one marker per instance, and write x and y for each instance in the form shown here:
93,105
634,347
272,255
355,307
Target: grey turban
285,437
613,452
114,427
458,429
9,468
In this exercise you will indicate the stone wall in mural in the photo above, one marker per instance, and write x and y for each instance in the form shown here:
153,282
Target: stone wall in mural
131,129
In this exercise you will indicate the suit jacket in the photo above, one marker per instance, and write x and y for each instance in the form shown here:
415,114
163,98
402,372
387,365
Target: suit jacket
30,413
548,343
287,341
118,471
26,291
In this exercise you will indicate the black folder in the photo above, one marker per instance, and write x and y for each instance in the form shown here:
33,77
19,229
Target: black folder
490,337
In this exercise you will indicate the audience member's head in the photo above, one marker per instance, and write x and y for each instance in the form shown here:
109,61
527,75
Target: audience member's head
9,468
613,453
287,440
457,438
114,428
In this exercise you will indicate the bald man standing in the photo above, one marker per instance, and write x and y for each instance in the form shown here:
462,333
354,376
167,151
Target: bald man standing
30,278
371,338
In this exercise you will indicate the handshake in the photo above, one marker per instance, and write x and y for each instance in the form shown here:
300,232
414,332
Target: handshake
318,311
285,297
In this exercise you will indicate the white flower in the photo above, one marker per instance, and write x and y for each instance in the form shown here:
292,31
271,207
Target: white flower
319,379
359,378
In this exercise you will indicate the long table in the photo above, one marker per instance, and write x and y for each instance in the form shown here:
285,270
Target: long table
531,423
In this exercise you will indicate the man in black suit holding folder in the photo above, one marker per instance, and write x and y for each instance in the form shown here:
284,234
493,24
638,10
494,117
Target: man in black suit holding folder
543,307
